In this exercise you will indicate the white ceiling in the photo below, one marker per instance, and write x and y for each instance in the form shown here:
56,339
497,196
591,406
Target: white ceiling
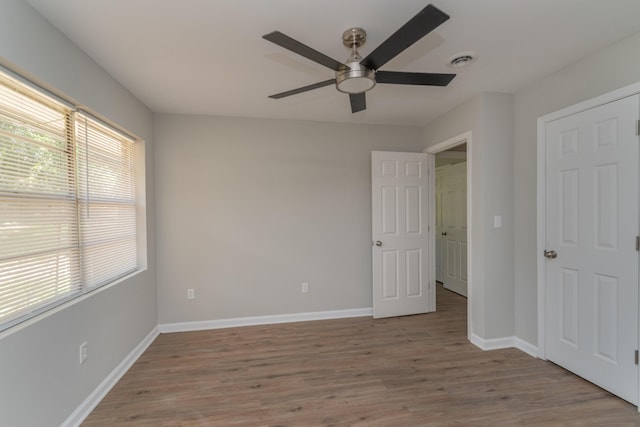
208,57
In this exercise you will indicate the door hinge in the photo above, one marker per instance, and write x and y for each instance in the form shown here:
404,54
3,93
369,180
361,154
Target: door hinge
636,357
637,243
638,127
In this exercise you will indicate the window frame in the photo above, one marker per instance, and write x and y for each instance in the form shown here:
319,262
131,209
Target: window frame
58,302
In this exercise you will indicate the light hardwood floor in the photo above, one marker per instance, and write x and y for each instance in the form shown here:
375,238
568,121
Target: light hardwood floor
406,371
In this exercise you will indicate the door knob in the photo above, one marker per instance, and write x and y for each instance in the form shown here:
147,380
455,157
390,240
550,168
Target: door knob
550,254
444,233
378,243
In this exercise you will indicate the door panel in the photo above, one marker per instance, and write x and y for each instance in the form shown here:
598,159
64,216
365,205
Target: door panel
592,224
414,272
389,274
399,221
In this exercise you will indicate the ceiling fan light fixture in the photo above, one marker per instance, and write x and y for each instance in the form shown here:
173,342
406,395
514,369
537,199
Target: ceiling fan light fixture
355,80
355,84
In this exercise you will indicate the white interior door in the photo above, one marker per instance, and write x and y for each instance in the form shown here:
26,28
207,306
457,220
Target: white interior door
400,184
453,231
591,321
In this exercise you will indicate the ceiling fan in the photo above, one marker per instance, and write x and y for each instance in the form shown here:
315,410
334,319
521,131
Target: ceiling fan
359,75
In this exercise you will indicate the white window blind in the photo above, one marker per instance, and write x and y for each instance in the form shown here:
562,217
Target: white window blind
67,203
107,202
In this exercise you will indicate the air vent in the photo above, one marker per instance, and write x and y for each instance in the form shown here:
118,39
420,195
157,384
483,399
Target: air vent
461,60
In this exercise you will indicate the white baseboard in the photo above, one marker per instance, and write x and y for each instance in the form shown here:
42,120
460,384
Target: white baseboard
263,320
85,408
505,342
530,349
492,343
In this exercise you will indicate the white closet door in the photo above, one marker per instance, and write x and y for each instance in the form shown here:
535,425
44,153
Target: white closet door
591,227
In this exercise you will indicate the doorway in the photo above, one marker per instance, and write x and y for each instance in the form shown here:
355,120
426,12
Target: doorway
451,219
463,142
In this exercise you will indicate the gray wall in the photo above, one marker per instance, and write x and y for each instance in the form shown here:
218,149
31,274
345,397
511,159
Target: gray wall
248,209
609,69
41,381
489,118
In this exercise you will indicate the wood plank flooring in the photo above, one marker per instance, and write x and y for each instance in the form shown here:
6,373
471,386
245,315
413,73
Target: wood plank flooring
407,371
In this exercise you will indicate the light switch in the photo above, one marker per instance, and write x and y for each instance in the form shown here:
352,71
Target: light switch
497,221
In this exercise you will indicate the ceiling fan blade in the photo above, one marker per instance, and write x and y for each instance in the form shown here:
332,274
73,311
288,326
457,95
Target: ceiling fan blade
303,89
420,25
358,102
295,46
401,78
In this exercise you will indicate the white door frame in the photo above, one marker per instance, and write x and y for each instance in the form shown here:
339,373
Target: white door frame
615,95
432,151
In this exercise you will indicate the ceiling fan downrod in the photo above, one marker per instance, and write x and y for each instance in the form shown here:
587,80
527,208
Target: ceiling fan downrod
353,38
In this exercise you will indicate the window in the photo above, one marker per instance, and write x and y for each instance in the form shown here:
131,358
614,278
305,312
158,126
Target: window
67,202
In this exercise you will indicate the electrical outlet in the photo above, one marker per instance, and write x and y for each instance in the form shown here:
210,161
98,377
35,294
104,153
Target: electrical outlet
191,293
82,352
305,288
